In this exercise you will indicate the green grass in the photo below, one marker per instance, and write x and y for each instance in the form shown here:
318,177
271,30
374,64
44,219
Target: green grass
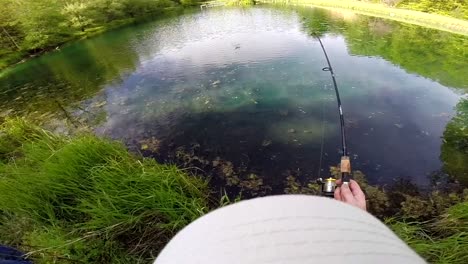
442,239
435,21
434,247
87,199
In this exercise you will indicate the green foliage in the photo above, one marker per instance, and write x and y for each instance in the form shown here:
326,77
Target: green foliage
434,248
442,240
417,207
377,198
135,8
454,220
439,22
455,8
77,15
33,26
189,2
108,10
41,24
9,33
433,54
89,199
454,152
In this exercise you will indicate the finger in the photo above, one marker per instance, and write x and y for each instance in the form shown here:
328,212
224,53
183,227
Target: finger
356,189
346,193
338,182
337,194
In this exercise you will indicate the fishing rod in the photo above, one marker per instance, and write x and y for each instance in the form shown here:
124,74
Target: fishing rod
328,185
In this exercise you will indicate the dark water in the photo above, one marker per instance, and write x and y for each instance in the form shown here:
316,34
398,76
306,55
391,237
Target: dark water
246,86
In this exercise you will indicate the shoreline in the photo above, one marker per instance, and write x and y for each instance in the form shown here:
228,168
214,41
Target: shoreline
96,183
428,20
434,21
19,57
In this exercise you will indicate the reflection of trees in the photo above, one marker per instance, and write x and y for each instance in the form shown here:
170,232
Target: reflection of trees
316,21
69,76
433,54
455,144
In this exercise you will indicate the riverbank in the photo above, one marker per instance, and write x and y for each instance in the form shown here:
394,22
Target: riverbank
37,32
87,199
83,198
434,21
13,58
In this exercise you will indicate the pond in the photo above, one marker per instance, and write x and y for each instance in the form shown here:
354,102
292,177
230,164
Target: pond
240,93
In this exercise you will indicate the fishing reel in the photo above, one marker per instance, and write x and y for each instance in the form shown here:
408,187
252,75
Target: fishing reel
328,185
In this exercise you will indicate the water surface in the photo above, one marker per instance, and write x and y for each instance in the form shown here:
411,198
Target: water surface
245,87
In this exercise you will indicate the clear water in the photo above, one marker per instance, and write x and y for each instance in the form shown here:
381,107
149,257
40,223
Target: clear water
247,86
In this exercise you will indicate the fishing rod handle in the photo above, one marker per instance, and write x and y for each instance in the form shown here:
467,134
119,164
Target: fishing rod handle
345,168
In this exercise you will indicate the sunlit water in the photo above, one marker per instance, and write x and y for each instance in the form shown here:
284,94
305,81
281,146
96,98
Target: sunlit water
247,86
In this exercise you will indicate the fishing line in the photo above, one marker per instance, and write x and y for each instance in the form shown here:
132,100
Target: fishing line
323,137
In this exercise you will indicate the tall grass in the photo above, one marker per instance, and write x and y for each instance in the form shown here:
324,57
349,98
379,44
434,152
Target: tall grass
433,247
88,199
441,240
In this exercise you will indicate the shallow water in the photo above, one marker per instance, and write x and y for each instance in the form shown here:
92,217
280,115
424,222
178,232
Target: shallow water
247,86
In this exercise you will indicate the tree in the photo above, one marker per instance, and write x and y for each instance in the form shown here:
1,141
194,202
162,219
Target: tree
108,10
42,23
78,15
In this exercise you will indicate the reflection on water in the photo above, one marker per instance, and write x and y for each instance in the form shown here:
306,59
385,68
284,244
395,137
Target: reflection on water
246,86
